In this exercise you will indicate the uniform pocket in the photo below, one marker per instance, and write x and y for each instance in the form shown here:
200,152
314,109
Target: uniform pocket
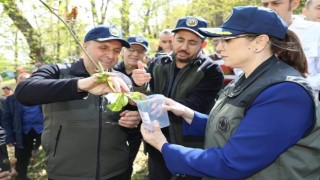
57,141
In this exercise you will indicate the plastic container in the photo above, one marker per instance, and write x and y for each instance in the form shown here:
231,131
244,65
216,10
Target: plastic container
150,109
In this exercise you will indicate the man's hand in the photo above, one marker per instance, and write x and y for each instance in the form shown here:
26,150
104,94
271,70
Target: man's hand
91,85
140,76
129,119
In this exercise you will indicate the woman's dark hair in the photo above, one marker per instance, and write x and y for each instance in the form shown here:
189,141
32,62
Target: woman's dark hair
290,51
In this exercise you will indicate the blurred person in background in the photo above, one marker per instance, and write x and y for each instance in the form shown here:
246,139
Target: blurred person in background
165,42
308,33
311,10
7,91
23,125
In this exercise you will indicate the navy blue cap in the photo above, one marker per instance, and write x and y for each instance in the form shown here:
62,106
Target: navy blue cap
139,40
249,20
192,24
105,33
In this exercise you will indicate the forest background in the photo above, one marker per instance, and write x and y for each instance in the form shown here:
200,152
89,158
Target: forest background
30,35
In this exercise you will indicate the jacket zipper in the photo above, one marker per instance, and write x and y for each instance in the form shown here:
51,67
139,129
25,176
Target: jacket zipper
172,88
57,141
99,139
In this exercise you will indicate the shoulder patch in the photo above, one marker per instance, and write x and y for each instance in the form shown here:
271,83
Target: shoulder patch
223,124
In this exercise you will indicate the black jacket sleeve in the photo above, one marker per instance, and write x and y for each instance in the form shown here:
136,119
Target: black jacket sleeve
202,98
44,86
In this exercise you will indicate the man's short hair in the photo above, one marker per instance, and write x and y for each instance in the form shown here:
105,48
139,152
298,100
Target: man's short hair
166,31
6,88
308,4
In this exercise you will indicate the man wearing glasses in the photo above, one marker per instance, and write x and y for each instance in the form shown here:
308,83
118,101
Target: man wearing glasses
136,52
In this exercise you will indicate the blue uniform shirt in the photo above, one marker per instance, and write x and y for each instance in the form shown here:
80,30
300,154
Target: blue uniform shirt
32,119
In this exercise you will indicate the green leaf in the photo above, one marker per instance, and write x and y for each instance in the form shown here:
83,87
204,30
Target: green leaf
137,96
121,101
103,77
114,107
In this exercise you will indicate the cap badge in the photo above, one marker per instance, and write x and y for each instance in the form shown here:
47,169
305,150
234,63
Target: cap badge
192,22
139,39
114,32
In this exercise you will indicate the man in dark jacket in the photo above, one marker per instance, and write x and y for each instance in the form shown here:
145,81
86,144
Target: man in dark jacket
187,76
82,138
23,125
137,52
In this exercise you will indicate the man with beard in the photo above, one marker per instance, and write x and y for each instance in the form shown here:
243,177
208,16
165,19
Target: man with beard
82,138
185,75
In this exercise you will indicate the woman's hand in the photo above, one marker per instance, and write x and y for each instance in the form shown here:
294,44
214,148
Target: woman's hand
154,137
179,110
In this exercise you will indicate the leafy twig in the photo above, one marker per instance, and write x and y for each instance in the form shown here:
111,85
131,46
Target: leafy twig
72,33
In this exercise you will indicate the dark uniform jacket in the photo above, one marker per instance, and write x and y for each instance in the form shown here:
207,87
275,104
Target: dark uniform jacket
195,86
237,98
82,138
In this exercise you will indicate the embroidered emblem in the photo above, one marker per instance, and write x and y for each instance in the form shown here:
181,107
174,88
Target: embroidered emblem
114,31
139,39
223,125
192,22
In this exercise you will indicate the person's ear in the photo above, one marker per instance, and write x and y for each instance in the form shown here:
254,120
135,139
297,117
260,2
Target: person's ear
122,51
204,44
295,4
304,11
260,43
85,45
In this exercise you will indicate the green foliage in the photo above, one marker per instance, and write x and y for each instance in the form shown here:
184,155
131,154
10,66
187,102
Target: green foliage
216,11
5,63
119,100
300,7
147,18
37,168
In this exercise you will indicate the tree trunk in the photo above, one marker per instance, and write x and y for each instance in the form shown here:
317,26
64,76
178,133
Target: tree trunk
31,35
125,22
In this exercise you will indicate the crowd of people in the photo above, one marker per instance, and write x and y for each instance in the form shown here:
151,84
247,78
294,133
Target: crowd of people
218,129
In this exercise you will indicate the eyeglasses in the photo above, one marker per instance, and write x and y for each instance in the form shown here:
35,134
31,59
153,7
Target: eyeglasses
225,40
138,51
